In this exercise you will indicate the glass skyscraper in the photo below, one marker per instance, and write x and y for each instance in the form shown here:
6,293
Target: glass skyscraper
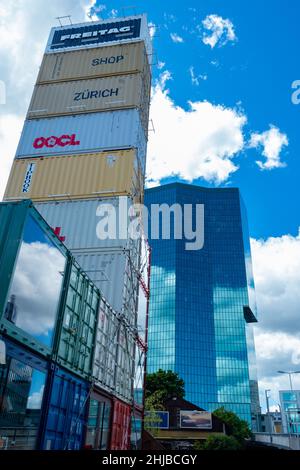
202,301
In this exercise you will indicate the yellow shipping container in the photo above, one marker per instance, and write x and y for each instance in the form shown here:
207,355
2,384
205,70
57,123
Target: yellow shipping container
85,96
82,176
96,62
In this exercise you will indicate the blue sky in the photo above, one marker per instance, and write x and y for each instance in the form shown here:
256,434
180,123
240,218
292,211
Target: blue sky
240,88
255,73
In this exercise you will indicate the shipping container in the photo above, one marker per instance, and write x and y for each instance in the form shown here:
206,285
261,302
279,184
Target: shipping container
86,96
83,134
65,411
33,265
96,62
113,365
102,223
121,426
83,176
49,304
99,421
75,336
100,33
23,377
115,276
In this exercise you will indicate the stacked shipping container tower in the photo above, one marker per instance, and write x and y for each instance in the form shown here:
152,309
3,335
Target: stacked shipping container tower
81,159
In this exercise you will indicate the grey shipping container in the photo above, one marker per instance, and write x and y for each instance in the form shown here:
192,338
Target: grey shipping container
115,275
113,363
96,62
85,223
86,96
85,133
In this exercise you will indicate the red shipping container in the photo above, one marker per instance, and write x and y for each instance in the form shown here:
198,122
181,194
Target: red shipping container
121,426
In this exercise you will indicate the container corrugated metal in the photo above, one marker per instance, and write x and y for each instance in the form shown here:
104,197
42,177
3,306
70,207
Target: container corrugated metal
121,426
74,177
83,223
100,33
76,332
114,274
89,63
113,363
65,411
83,134
85,96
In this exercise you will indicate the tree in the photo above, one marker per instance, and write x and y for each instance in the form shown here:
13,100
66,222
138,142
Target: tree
218,442
167,382
237,427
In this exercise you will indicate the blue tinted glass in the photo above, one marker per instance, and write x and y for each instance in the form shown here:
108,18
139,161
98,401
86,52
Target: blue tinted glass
196,318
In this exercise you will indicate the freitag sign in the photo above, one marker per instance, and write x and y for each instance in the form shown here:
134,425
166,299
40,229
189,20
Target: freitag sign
95,34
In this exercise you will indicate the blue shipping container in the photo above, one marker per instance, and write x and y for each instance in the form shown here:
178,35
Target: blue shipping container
65,411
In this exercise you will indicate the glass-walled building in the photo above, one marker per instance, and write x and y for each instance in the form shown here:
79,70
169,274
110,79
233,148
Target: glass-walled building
202,294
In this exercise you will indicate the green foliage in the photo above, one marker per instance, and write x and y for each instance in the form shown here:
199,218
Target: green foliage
238,428
218,442
167,382
155,401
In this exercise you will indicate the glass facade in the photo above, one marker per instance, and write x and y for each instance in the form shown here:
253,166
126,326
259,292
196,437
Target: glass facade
98,430
197,321
22,383
290,409
36,285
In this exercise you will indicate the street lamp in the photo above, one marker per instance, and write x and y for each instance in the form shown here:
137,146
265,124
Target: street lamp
289,373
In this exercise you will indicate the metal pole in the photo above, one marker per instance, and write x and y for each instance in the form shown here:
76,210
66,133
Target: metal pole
269,417
291,383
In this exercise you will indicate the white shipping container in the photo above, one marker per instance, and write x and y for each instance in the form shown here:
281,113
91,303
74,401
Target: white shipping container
115,275
86,133
113,360
84,223
100,33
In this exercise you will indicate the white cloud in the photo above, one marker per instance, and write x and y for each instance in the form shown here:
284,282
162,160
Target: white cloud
196,78
272,141
152,29
219,31
160,64
199,142
276,266
176,38
24,30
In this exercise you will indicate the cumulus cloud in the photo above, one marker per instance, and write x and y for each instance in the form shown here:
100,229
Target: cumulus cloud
24,29
272,142
199,142
219,31
176,38
276,265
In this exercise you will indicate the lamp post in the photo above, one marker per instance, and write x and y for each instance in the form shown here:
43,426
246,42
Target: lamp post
268,414
289,373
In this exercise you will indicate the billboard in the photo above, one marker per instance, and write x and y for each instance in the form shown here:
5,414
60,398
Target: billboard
100,33
157,419
194,419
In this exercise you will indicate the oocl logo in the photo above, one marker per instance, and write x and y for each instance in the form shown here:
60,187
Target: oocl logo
54,141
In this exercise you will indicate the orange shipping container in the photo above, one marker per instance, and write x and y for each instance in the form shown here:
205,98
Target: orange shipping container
96,62
83,176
